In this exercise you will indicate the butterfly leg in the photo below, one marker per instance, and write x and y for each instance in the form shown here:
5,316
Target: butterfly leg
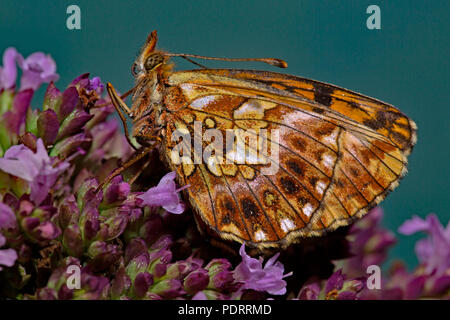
121,107
138,155
123,96
141,169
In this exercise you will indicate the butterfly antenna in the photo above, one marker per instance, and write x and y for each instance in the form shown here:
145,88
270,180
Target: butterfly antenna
272,61
196,63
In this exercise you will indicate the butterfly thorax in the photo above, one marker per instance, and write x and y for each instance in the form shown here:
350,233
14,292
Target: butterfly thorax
147,109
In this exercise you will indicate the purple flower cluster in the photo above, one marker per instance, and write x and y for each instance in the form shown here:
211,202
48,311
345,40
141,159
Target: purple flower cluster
34,167
37,68
128,237
7,220
433,252
369,243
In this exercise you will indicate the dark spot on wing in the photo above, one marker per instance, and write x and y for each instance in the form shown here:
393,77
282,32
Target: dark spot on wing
229,206
289,185
299,143
249,208
322,94
354,171
226,219
296,167
318,154
378,122
313,181
302,201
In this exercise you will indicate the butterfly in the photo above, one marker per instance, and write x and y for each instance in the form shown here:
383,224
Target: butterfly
338,153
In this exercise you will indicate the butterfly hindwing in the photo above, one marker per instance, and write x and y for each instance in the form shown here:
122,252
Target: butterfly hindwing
338,153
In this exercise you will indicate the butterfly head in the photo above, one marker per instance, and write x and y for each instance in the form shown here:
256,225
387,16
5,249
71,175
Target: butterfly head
149,59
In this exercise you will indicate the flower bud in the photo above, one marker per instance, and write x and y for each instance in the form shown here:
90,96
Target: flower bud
72,240
141,284
69,101
103,255
93,287
48,231
89,223
69,145
68,211
196,281
73,123
159,269
151,229
178,270
138,264
222,281
163,242
168,288
134,248
16,116
40,232
47,126
116,191
29,140
120,284
100,114
216,266
160,256
87,193
52,97
309,292
26,208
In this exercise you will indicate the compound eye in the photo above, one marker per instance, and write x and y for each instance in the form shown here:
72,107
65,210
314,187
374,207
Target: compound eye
153,61
135,70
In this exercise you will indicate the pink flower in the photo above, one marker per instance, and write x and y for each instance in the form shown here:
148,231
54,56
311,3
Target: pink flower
165,194
369,243
36,168
310,292
7,217
433,251
254,276
8,73
96,85
37,68
7,256
7,220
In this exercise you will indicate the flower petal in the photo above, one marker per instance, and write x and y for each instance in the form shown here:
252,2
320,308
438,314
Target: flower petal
8,257
415,224
7,217
37,69
8,73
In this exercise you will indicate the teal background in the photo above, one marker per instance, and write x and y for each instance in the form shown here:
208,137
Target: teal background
406,63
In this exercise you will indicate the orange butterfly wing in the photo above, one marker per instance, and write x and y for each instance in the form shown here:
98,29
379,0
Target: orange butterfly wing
339,153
